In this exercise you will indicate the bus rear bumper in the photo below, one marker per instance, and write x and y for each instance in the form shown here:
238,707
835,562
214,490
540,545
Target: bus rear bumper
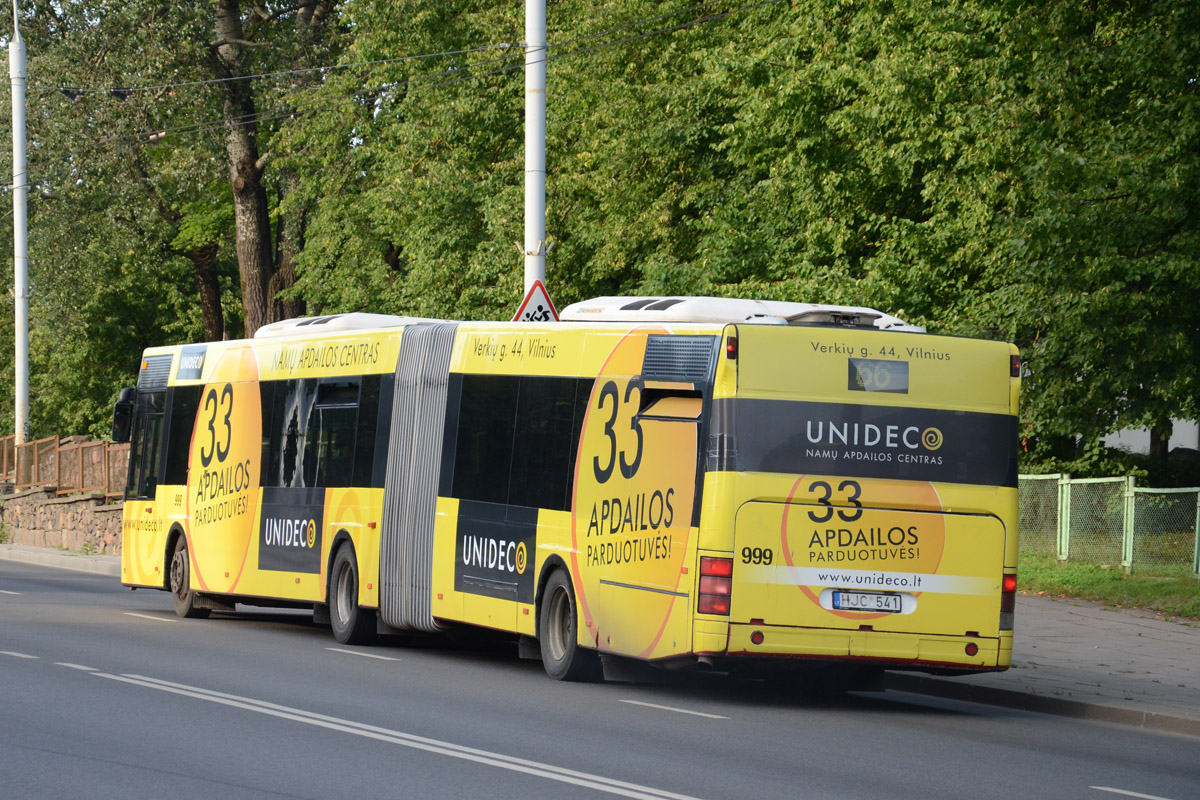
900,649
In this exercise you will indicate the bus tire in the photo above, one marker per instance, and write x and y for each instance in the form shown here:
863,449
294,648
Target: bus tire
562,657
351,623
180,583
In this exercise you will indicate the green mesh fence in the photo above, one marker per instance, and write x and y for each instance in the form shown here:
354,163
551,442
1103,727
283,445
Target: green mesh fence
1111,521
1164,528
1097,520
1039,513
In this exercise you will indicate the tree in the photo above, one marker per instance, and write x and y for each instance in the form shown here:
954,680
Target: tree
983,167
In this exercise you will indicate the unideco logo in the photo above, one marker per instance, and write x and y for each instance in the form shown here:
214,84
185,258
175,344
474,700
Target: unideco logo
498,554
865,441
866,434
301,533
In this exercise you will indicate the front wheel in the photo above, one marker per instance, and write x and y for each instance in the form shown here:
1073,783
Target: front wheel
351,623
181,589
562,656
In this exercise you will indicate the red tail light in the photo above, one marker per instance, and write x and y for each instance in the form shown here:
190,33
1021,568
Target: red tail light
718,567
716,585
731,348
1008,601
1014,367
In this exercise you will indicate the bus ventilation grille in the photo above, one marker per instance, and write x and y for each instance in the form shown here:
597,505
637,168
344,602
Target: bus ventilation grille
154,374
679,358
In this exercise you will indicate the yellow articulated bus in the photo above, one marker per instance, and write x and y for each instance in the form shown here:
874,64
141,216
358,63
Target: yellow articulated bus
684,481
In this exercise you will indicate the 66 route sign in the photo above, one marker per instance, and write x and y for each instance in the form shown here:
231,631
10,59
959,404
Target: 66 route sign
537,306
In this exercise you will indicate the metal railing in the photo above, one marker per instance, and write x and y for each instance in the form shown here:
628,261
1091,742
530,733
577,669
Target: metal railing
71,468
1111,521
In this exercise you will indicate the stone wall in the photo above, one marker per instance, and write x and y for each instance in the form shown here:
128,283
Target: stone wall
83,523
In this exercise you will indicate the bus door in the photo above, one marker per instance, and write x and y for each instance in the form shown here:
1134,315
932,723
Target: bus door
143,531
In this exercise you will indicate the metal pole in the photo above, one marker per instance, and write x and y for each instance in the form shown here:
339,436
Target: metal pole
16,69
535,142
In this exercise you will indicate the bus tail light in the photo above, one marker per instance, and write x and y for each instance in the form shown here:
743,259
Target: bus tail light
716,585
1008,601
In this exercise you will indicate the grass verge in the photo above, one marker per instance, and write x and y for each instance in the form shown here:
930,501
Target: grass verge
1175,593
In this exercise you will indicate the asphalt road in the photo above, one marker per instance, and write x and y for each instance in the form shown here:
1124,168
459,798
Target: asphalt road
104,693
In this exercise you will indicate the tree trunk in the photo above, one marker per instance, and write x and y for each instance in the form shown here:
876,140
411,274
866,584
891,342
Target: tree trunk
1160,440
204,263
291,242
251,218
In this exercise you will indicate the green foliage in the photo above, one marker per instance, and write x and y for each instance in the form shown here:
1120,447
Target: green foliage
202,222
981,167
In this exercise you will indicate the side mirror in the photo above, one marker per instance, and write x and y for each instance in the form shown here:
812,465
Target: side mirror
123,415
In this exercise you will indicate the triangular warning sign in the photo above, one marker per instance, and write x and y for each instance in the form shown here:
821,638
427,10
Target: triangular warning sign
537,306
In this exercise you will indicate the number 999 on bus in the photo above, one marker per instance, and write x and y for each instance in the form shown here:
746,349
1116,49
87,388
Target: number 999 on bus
757,555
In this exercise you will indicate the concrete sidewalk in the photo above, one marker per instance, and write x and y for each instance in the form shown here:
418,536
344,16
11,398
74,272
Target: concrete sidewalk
1070,658
1081,659
62,559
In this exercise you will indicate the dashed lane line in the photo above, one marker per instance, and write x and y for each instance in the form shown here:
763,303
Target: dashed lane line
15,655
79,667
364,655
148,616
1128,793
676,710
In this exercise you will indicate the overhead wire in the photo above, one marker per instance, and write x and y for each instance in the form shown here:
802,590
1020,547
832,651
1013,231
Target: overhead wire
129,90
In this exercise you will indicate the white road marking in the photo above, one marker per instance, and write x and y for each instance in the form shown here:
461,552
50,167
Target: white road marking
80,667
357,653
147,616
1128,793
15,655
5,591
676,710
488,758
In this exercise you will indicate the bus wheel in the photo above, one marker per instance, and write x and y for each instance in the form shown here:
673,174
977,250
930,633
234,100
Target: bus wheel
562,656
351,624
181,590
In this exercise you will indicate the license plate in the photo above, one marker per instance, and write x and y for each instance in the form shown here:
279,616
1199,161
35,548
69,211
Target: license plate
867,601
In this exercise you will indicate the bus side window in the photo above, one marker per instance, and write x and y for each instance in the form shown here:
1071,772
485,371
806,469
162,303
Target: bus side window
291,407
543,463
329,442
367,431
184,402
484,449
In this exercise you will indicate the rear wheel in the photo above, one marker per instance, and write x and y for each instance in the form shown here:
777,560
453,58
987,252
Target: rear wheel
562,656
180,583
351,623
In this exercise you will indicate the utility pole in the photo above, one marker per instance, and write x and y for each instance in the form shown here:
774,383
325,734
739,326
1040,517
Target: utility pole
20,187
535,142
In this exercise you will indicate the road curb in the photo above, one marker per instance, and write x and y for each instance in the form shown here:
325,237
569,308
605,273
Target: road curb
97,565
958,689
